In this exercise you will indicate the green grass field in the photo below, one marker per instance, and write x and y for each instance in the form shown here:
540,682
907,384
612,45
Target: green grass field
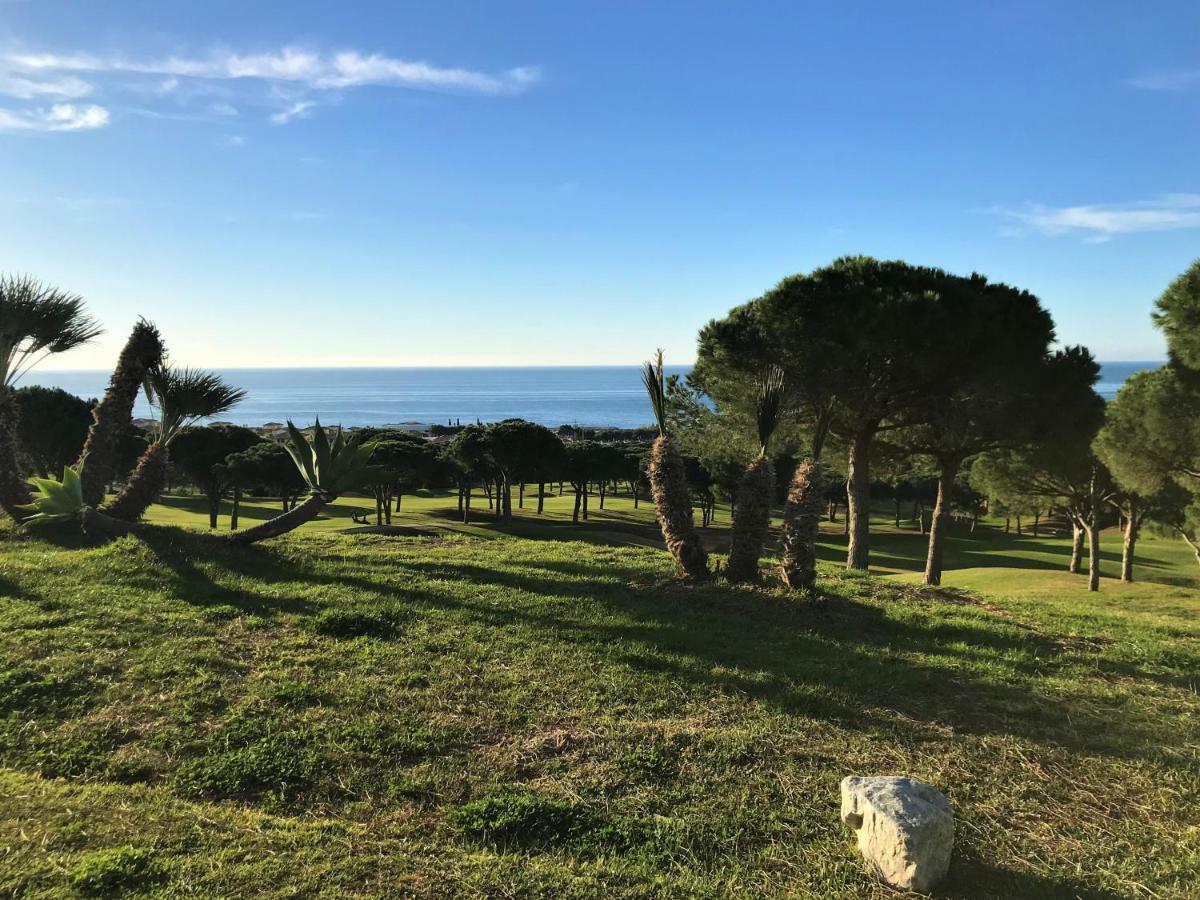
541,710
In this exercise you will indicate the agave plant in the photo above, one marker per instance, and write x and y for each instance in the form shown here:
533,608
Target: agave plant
329,468
36,321
669,485
141,355
62,501
752,514
180,397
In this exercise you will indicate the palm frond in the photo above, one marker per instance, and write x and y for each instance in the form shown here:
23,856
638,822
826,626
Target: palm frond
185,396
769,406
656,389
37,320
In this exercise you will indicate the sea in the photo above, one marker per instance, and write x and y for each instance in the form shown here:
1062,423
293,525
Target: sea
585,396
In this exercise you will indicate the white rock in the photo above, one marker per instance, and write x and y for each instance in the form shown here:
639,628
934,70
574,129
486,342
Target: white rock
905,828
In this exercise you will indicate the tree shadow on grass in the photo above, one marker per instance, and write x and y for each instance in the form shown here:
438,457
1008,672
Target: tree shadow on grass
974,879
838,661
177,551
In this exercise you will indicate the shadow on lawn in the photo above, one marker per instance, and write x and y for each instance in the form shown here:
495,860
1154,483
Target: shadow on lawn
838,661
973,879
844,660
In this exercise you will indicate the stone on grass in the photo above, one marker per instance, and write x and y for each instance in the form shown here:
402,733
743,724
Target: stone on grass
905,829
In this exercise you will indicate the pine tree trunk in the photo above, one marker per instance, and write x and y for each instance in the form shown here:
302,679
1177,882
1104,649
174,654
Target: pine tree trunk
751,520
112,415
858,511
1076,545
466,510
801,520
941,519
143,487
1037,523
281,524
673,508
541,496
1093,533
14,489
1133,524
578,503
237,508
214,506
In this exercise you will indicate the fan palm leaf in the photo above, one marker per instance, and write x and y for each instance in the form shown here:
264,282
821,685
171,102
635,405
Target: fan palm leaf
36,320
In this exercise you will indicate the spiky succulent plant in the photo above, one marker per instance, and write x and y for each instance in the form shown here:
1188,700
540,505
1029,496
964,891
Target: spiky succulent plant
329,468
54,500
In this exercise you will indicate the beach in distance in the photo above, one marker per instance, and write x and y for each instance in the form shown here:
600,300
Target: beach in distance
591,396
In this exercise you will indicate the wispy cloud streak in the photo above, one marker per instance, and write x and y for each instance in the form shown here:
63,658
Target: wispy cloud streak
59,117
1102,222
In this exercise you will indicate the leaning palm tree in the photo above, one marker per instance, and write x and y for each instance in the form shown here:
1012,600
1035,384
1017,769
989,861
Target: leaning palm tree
669,485
329,468
141,355
752,514
36,321
181,397
801,519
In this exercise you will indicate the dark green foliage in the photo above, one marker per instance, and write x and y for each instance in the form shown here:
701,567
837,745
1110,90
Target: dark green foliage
52,427
121,870
1177,313
200,451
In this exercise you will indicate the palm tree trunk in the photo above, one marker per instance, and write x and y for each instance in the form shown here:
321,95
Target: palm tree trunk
941,518
305,512
673,507
14,490
751,520
112,415
858,511
94,522
143,486
801,520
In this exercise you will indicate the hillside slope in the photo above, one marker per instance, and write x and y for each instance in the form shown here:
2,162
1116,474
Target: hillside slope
369,716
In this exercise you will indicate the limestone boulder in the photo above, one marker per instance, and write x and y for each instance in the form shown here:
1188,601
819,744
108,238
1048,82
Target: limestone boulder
905,829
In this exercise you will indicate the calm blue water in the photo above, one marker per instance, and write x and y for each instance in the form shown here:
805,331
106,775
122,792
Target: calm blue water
585,395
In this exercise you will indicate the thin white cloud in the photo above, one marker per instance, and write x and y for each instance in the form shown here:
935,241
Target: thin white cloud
317,71
1102,222
301,109
1168,80
59,117
29,88
224,109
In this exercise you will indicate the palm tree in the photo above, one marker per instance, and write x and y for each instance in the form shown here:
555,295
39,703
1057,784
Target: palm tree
801,518
36,321
752,514
181,397
328,468
669,485
141,355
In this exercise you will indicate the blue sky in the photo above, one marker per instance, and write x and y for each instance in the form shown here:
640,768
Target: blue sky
304,183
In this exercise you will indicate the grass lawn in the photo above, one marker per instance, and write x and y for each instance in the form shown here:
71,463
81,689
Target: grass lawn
483,714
